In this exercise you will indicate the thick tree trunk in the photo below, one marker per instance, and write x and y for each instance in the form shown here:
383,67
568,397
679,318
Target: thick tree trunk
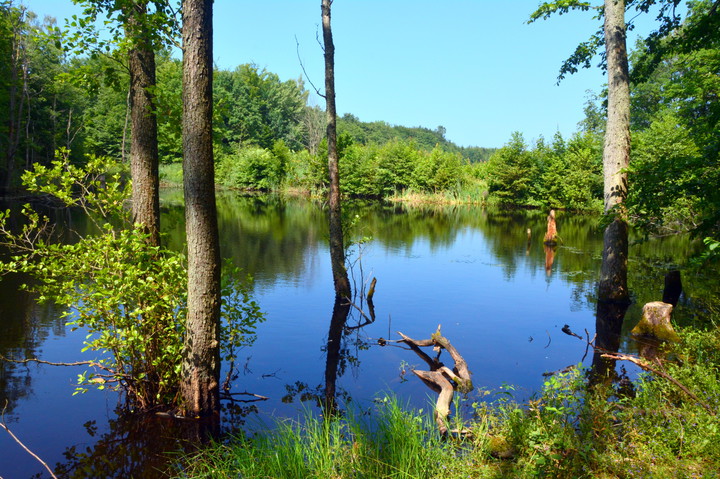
144,143
201,365
337,247
616,156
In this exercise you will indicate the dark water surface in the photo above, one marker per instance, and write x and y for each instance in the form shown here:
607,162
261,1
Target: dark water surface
500,299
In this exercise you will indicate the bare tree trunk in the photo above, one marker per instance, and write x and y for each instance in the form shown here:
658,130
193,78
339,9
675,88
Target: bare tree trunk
201,362
143,119
616,156
337,247
341,309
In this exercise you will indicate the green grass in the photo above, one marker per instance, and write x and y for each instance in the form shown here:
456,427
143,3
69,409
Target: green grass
571,429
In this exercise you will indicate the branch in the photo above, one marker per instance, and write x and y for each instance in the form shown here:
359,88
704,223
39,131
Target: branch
640,363
644,365
302,65
93,364
2,424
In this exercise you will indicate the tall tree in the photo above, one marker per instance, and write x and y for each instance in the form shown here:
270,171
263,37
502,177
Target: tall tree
144,143
616,153
616,156
139,32
201,361
337,248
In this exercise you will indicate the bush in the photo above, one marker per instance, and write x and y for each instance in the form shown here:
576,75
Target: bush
252,168
129,297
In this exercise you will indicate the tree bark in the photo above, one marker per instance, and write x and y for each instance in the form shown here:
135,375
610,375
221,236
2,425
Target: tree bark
337,247
616,156
143,120
201,362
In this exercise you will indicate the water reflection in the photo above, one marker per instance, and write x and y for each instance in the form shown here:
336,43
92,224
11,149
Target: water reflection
608,328
146,446
473,270
341,308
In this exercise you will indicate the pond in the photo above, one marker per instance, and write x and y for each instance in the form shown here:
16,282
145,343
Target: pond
501,299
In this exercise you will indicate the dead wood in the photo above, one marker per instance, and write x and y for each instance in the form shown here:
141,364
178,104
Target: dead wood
17,440
440,384
644,365
440,376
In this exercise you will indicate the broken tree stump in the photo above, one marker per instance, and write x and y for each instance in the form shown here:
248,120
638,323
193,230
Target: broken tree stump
673,288
440,376
551,235
655,322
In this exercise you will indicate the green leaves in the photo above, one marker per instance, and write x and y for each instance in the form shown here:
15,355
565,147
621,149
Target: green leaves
547,9
128,297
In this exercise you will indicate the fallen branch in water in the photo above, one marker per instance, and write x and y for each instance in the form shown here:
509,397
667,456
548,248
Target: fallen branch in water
439,377
644,365
7,429
93,364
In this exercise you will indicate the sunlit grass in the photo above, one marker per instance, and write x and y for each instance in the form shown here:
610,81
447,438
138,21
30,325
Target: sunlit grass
570,430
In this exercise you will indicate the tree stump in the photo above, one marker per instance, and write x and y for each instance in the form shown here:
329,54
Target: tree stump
673,288
551,235
655,322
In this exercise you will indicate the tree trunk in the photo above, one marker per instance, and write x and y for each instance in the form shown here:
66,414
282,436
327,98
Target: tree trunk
201,364
341,309
616,155
143,120
337,247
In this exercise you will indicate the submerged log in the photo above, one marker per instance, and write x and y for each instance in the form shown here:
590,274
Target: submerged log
439,377
551,235
655,322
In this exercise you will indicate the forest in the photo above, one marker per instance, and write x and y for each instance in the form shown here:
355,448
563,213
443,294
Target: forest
267,137
99,124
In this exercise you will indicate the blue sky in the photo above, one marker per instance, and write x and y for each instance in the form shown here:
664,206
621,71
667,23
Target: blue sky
472,66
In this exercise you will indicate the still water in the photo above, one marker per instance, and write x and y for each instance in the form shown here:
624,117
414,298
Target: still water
500,298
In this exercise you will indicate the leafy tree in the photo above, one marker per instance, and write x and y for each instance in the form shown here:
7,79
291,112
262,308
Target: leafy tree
39,112
255,107
138,28
512,172
252,168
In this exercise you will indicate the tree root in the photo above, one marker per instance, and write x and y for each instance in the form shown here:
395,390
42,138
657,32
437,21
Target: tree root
440,376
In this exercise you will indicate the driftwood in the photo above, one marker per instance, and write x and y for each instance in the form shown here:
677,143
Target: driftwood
21,444
440,376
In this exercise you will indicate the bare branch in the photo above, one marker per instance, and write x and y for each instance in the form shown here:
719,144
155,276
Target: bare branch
644,365
7,429
302,65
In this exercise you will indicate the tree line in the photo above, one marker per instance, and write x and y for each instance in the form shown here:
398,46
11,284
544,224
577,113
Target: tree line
144,108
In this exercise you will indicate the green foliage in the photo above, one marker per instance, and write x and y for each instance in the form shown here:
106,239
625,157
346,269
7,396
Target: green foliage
256,108
512,172
128,297
252,167
562,175
425,139
676,162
